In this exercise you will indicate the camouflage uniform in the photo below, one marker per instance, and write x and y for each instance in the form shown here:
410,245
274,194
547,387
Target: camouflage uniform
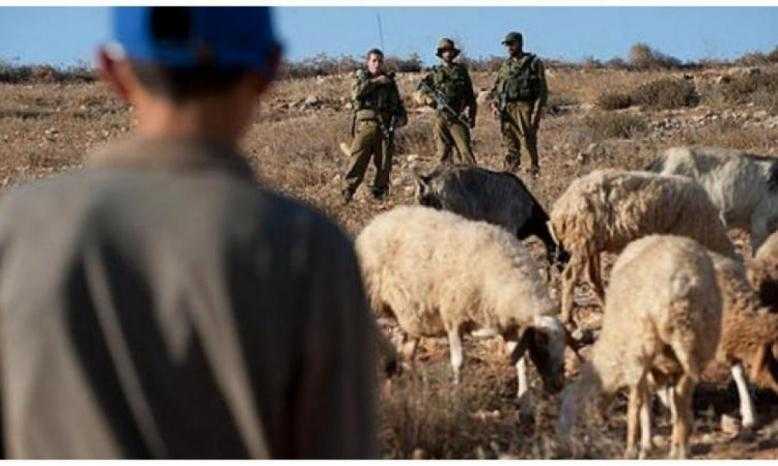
453,81
521,87
374,105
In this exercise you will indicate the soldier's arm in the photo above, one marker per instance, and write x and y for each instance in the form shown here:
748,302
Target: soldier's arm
425,80
399,108
334,414
362,86
540,103
470,98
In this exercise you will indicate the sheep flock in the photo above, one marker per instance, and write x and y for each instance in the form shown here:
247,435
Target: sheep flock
678,298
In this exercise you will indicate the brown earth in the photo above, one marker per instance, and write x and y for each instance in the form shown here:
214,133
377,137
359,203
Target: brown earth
47,129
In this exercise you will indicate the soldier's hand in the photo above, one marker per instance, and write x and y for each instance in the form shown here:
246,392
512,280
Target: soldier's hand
495,110
383,79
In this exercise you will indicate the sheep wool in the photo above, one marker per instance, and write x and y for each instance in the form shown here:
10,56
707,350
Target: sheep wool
607,209
661,327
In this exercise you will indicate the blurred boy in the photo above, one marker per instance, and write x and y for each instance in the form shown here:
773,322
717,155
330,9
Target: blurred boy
161,304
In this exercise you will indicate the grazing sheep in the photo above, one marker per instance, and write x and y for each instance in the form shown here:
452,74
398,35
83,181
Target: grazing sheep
748,334
440,274
743,186
500,198
763,272
661,326
607,209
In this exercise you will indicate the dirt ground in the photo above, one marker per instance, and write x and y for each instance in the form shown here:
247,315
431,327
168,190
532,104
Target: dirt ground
46,129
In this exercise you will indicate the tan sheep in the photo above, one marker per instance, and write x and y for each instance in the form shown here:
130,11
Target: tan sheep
749,333
439,274
607,209
763,272
661,326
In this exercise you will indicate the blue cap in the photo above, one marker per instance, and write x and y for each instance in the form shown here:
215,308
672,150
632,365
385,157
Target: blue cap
185,37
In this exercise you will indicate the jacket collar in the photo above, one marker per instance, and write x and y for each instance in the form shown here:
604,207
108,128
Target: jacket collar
172,155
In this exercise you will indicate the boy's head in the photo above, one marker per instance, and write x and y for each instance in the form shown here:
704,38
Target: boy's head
168,58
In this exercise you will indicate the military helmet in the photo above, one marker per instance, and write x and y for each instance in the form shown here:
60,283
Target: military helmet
513,36
446,44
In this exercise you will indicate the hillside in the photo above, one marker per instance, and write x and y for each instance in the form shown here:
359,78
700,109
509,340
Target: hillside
47,129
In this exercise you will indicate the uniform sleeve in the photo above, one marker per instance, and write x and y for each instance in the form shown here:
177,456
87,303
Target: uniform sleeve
470,98
360,88
335,402
494,92
541,71
399,108
425,80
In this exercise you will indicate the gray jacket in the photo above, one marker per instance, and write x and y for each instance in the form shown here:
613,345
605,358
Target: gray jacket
161,305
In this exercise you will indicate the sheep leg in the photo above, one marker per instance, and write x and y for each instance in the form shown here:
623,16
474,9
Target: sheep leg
633,410
682,401
521,376
747,417
645,427
594,271
570,277
409,351
759,231
455,348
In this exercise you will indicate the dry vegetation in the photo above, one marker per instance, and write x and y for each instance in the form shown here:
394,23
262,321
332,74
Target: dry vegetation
47,128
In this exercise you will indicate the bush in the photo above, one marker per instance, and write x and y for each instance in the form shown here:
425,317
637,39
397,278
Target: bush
643,57
666,93
14,74
761,89
613,101
412,64
603,125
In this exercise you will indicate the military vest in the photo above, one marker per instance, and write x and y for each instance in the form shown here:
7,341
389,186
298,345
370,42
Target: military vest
519,80
453,83
381,99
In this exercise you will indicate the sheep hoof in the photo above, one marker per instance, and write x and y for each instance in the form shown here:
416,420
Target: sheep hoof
631,454
645,453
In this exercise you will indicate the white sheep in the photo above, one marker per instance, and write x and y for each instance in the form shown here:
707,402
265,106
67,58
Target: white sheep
440,274
661,326
607,209
742,186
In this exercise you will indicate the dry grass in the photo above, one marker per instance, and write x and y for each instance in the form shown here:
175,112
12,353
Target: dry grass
47,129
665,94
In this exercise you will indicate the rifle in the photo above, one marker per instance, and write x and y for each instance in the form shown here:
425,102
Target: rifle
442,105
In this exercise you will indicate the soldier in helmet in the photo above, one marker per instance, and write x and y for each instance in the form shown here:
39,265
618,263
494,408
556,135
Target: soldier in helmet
449,90
518,97
378,110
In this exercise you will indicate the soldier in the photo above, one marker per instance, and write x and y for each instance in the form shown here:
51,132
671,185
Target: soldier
378,110
160,303
448,88
518,97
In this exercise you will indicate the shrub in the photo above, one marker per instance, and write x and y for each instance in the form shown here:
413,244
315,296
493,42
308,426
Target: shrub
666,93
643,57
613,101
603,125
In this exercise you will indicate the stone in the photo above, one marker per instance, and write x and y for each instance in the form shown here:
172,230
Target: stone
311,101
419,454
760,114
729,425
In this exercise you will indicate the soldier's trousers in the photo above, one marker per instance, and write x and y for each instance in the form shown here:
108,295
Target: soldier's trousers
449,133
367,144
517,130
